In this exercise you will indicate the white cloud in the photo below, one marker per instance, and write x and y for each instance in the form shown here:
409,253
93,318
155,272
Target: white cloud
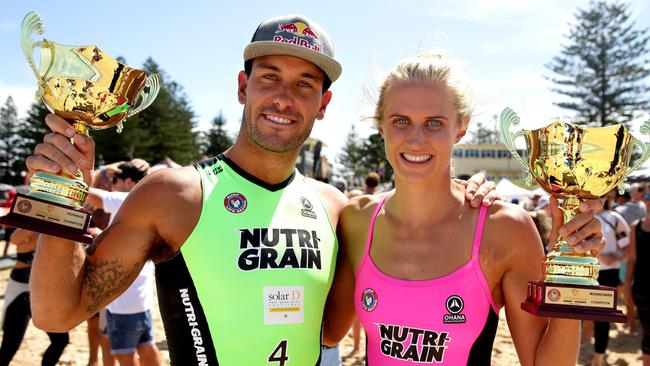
23,96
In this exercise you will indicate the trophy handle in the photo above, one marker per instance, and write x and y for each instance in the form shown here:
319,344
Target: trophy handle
509,117
32,24
645,154
146,95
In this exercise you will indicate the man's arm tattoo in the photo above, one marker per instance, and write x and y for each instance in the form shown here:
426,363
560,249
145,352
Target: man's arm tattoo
104,279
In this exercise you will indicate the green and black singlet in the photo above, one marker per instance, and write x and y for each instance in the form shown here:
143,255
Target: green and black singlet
249,285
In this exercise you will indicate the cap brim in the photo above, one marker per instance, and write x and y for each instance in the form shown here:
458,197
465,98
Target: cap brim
266,48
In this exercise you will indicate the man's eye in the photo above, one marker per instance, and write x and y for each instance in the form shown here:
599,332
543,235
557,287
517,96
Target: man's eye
304,84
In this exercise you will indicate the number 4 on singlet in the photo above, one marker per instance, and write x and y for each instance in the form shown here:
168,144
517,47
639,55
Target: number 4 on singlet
279,354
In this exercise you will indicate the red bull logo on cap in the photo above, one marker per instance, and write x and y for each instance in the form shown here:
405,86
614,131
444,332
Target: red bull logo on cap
299,29
303,35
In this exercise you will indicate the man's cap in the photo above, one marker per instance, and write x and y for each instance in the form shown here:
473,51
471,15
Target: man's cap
294,35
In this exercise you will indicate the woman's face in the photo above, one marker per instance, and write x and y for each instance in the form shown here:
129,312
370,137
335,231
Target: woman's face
420,127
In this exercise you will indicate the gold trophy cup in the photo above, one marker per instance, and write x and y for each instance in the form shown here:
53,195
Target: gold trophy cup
574,163
91,90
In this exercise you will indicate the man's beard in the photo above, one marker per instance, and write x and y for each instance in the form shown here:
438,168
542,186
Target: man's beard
277,145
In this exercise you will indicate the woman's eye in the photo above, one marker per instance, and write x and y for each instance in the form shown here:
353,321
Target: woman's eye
434,123
401,121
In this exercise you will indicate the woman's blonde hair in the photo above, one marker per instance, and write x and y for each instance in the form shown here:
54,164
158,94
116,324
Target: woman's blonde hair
429,67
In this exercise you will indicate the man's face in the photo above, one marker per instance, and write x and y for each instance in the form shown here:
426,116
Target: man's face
637,192
282,98
121,184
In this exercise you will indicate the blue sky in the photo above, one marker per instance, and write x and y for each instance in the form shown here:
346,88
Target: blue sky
199,44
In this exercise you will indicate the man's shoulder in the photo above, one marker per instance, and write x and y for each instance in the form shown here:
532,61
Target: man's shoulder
167,190
171,180
330,195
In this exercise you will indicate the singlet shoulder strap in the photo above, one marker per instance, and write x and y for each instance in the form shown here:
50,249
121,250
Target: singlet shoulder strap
371,225
478,233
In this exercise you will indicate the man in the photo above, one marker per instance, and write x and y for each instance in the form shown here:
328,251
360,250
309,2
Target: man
634,209
371,183
243,247
128,317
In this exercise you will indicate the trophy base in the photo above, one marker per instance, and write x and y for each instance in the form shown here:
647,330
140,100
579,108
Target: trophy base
558,300
49,218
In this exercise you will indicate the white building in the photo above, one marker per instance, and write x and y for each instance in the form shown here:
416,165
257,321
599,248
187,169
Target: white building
493,159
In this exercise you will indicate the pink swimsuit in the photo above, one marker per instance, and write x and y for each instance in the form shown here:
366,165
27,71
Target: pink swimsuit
449,320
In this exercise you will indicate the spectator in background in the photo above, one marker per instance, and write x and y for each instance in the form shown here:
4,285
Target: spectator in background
637,286
6,200
96,324
615,231
17,311
129,322
340,184
371,182
633,210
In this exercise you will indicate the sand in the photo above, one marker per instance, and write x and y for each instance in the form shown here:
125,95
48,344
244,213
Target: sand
624,348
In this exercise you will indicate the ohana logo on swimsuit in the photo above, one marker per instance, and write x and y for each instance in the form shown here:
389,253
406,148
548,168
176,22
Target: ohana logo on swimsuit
235,202
369,299
455,305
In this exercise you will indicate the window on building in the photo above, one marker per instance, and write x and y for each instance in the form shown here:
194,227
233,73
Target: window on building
488,153
458,153
471,153
503,154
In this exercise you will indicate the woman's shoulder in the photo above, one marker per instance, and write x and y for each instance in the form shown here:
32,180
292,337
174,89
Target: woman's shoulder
358,212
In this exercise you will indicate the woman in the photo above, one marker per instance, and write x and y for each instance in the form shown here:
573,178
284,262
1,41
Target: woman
16,305
429,287
637,285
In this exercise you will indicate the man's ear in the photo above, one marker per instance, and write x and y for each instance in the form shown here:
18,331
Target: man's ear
242,82
325,100
131,182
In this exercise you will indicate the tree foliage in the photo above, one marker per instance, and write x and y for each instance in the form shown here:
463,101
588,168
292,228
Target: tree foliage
604,66
216,139
9,157
164,129
362,156
351,156
374,157
486,133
